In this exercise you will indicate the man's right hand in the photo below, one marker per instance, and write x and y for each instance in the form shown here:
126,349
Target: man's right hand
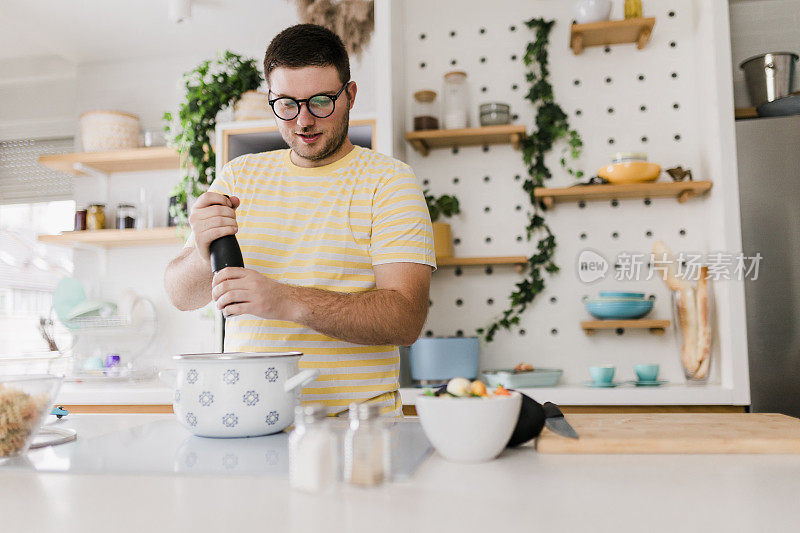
213,216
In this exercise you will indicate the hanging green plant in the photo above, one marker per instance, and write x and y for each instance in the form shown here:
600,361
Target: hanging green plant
210,88
552,125
443,206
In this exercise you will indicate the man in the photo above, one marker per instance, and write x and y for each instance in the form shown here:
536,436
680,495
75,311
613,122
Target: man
336,239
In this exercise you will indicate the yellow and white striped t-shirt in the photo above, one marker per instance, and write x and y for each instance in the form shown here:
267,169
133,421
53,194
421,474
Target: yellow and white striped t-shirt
326,227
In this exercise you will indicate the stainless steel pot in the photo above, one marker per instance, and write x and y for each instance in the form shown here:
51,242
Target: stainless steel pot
769,76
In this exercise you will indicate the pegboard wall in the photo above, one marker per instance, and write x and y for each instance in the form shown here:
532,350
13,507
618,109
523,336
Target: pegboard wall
619,99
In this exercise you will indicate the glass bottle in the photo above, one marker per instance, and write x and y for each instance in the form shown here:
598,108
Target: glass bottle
425,115
366,449
126,216
456,100
312,450
633,9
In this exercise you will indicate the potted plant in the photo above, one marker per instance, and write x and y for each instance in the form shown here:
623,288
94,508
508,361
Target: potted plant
443,206
210,88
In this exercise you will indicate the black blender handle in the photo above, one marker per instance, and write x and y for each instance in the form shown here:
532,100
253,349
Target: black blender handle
225,252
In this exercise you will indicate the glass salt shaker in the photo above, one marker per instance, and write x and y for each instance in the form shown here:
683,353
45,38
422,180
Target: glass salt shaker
366,447
456,100
312,450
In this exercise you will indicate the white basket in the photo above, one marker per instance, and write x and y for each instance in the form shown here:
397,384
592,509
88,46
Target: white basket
102,131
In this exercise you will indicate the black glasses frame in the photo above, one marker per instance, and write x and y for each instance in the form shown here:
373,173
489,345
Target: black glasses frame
297,101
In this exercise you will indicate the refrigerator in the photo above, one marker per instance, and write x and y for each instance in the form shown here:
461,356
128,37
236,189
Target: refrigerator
768,151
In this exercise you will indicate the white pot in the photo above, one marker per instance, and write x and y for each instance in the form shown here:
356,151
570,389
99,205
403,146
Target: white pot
592,10
238,394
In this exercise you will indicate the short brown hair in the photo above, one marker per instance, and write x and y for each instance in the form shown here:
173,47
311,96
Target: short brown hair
307,45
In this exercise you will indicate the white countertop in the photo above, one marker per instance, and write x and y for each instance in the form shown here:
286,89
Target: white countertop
521,490
155,392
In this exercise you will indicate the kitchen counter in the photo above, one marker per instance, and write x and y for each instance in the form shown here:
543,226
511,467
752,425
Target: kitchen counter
520,490
156,393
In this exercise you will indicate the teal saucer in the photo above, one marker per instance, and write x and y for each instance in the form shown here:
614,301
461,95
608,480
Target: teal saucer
655,383
596,385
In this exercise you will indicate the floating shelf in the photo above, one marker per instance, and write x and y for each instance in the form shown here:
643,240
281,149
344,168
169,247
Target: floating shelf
656,327
424,141
517,261
611,32
118,238
133,160
681,190
745,112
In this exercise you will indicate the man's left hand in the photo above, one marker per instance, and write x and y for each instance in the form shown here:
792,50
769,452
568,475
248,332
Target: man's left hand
242,291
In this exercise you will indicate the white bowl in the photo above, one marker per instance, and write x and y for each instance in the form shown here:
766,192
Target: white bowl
587,11
469,430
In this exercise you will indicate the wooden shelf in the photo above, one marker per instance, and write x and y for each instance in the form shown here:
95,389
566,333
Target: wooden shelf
611,32
681,190
136,159
424,141
519,261
118,238
656,327
745,112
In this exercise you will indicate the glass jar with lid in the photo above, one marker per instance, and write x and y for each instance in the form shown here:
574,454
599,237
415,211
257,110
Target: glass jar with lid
456,100
366,446
426,116
312,450
126,216
96,217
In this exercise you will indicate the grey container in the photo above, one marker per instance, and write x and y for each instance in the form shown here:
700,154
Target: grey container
769,76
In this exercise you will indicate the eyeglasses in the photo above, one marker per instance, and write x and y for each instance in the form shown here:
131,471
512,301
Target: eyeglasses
319,105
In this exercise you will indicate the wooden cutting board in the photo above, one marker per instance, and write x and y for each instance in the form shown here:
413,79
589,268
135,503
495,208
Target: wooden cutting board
676,433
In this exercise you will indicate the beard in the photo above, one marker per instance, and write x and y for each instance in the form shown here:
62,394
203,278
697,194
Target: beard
333,140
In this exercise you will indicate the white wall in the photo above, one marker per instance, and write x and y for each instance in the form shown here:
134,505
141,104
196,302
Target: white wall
759,26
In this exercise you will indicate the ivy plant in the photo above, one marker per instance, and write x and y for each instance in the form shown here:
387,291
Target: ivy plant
443,206
210,88
552,126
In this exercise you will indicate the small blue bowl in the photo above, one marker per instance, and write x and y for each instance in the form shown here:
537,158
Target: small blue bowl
646,372
618,309
602,374
617,294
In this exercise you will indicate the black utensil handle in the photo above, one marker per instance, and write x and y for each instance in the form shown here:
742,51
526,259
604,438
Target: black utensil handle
225,252
551,410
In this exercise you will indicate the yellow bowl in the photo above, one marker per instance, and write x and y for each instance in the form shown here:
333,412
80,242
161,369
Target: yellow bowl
630,172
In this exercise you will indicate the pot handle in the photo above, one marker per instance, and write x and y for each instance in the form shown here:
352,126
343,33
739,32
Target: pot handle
301,378
168,377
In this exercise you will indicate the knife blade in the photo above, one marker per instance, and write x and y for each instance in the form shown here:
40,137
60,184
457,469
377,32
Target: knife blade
554,421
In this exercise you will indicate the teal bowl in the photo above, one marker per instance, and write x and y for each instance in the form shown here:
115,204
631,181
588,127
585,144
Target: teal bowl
618,295
621,309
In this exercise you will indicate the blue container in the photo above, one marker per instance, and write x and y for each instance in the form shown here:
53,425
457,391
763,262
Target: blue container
618,309
618,294
439,359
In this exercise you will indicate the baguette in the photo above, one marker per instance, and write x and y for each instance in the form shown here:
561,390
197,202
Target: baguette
704,325
670,275
688,323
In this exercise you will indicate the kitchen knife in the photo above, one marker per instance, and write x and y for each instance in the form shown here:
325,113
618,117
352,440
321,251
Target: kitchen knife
554,421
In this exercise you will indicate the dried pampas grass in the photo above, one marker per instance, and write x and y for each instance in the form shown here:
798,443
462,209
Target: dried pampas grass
351,20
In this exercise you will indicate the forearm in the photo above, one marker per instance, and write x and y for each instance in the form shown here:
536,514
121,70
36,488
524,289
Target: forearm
377,317
188,281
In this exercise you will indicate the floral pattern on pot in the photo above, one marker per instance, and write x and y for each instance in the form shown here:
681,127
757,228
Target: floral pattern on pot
272,418
230,420
271,374
271,457
250,397
177,398
191,376
230,461
191,419
230,376
205,398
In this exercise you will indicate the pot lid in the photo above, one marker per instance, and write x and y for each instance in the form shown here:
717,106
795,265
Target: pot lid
233,356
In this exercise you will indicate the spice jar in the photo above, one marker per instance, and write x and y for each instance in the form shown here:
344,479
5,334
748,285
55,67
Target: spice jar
425,115
312,450
126,216
456,100
80,219
366,446
96,217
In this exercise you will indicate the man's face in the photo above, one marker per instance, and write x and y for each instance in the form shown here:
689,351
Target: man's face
313,138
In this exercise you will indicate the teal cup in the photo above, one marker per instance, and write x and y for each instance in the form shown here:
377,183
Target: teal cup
646,372
602,374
